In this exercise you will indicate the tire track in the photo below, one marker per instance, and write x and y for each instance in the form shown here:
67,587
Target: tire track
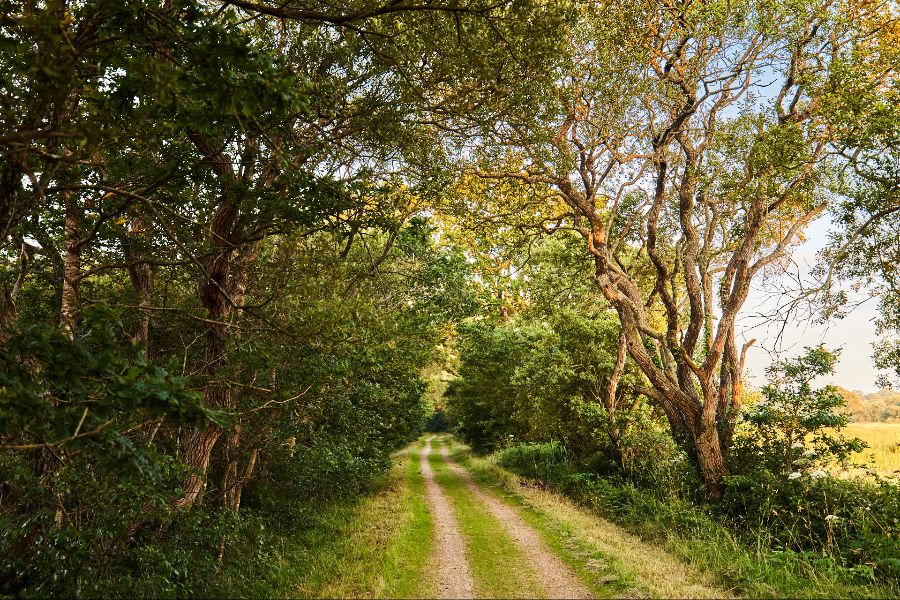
454,579
558,578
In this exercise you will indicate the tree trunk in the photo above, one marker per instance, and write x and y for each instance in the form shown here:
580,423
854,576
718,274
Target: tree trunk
200,443
233,483
237,290
69,312
609,398
230,479
141,279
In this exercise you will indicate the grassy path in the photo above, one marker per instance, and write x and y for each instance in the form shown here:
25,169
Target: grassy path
436,529
573,552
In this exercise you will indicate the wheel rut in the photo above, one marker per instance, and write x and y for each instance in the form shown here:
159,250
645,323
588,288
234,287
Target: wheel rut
558,579
454,579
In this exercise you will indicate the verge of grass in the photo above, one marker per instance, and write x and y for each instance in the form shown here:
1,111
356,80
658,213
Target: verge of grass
499,569
612,562
741,566
372,546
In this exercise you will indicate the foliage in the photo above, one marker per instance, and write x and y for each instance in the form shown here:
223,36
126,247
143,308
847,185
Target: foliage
480,402
437,422
784,487
793,426
54,387
882,406
684,176
251,195
850,524
69,518
746,555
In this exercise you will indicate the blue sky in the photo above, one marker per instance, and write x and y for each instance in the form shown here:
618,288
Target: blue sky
854,333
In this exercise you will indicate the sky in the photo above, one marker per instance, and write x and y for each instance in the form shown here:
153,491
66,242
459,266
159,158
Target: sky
854,333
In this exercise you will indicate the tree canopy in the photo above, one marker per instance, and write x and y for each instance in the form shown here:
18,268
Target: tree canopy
235,236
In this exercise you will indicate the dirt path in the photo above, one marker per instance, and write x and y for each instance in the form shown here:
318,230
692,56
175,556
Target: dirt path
650,569
453,577
557,577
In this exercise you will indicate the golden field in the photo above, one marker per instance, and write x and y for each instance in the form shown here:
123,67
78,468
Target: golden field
884,444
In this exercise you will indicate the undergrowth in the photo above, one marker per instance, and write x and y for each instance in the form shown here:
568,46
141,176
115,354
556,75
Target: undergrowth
748,561
370,545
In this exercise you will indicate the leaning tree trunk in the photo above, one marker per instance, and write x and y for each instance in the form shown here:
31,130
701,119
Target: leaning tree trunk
609,399
8,310
43,460
221,294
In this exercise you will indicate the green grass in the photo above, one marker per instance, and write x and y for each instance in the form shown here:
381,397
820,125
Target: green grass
410,552
372,546
499,569
603,574
750,570
742,566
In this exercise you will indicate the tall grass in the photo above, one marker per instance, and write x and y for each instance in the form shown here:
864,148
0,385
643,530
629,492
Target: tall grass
370,546
884,445
746,563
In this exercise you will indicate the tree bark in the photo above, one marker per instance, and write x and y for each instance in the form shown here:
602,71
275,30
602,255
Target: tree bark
609,398
200,443
141,276
69,312
237,289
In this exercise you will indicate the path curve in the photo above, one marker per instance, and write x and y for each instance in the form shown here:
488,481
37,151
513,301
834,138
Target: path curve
557,577
453,577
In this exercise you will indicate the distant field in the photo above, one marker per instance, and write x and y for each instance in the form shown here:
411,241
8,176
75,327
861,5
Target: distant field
884,444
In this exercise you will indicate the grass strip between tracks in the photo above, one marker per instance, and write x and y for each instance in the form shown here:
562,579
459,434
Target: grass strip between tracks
498,567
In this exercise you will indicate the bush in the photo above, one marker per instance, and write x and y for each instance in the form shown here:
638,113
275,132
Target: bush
542,461
790,430
854,524
437,422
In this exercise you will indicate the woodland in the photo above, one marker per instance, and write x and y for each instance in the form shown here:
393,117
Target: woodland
250,249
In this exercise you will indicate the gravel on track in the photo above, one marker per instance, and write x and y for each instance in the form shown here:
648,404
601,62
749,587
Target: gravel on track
558,578
454,579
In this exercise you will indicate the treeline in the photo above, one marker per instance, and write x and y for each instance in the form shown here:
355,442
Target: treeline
882,406
219,284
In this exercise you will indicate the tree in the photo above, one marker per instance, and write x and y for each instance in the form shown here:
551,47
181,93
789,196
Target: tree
863,245
792,425
666,145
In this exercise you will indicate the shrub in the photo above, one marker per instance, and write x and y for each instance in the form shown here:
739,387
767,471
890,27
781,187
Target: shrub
790,429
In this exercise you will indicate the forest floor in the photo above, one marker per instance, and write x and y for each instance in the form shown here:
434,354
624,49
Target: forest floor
520,541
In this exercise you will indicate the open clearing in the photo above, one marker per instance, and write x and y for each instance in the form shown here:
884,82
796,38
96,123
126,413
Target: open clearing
884,445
